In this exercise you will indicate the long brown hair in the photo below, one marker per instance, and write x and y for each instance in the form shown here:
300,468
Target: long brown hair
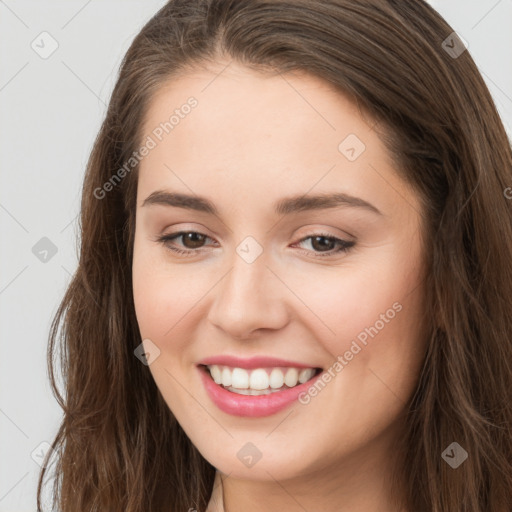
119,446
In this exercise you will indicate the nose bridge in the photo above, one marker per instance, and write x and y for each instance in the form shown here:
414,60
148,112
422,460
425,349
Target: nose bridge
249,295
248,278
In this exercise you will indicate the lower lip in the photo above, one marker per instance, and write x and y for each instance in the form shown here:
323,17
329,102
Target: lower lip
250,405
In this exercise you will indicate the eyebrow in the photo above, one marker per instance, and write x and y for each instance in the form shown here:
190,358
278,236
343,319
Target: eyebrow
284,206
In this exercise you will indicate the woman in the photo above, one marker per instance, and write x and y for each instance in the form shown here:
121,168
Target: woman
295,273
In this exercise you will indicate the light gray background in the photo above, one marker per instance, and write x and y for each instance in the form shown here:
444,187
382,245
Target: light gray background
51,110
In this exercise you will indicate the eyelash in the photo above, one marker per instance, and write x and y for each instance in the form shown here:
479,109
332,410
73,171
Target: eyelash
344,245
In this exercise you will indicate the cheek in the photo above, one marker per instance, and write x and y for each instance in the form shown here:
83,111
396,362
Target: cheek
158,305
348,300
372,317
377,349
164,306
150,300
167,302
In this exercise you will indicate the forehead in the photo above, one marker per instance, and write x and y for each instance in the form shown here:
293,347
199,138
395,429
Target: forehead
257,133
233,94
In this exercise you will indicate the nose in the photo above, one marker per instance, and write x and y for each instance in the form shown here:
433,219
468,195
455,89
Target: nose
249,299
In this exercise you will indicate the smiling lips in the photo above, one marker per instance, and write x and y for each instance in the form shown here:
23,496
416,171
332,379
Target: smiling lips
254,387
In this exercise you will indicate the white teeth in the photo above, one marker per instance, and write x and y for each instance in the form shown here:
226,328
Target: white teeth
225,377
291,377
276,378
216,374
239,378
260,380
305,374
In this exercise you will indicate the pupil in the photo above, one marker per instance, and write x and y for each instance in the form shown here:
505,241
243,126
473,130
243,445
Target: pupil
322,246
195,238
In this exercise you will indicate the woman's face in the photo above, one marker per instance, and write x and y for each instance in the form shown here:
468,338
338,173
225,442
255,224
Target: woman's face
270,271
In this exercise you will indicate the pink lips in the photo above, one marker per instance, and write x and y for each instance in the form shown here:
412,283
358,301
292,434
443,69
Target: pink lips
250,405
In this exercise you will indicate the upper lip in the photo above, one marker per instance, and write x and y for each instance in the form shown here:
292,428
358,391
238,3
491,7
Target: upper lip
252,362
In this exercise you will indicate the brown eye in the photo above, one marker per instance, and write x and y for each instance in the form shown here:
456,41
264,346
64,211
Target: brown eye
323,243
192,240
186,243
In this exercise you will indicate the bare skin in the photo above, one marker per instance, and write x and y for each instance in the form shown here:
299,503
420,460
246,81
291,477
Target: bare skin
251,141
